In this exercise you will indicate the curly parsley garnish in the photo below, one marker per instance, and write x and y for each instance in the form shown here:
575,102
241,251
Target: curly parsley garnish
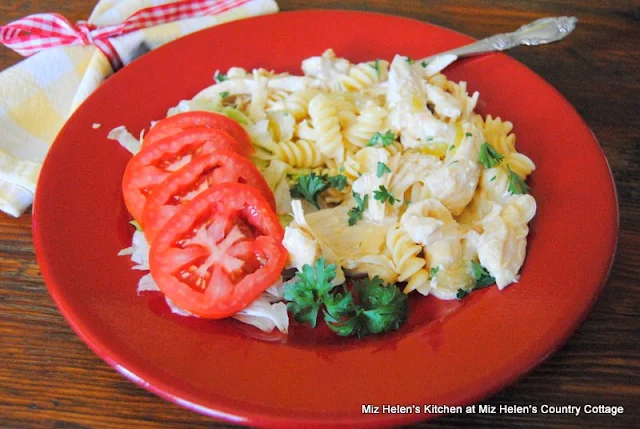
307,296
517,185
380,308
382,194
383,139
370,307
355,213
489,157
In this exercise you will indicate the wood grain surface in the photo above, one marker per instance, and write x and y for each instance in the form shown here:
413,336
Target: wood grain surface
50,379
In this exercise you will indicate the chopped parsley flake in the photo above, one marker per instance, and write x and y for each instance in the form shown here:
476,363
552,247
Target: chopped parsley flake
382,169
517,185
220,77
433,271
489,157
355,213
382,194
384,139
376,66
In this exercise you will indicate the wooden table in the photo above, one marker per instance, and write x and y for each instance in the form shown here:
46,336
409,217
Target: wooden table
50,379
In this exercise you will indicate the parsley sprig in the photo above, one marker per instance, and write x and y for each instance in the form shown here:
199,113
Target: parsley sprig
309,186
482,279
370,307
307,296
380,308
355,213
489,157
383,139
517,185
382,194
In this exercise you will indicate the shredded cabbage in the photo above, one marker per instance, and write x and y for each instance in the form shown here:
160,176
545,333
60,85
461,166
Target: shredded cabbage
265,313
125,138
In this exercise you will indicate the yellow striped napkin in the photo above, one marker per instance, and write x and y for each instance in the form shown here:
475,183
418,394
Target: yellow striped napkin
38,94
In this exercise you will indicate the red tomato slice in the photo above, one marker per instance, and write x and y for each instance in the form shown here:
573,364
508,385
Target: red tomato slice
205,171
153,164
219,252
183,121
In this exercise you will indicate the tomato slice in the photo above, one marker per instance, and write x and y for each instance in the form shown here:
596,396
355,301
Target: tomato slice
153,164
202,173
183,121
219,252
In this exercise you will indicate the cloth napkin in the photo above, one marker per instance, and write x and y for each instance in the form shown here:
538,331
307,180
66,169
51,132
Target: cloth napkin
38,94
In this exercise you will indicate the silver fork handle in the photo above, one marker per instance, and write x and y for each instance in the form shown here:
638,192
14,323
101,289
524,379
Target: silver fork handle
539,32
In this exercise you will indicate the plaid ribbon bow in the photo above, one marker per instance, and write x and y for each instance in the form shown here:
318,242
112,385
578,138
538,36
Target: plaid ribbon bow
34,33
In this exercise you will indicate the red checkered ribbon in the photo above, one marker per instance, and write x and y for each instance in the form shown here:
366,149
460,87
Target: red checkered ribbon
34,33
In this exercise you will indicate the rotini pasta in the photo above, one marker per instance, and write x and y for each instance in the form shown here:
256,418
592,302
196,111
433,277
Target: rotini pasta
369,122
297,103
364,75
404,253
325,120
299,153
405,186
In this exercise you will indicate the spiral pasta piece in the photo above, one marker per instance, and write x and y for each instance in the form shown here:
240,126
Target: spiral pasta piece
276,99
520,164
324,118
369,122
297,103
299,153
352,168
375,265
346,109
497,133
418,281
404,253
364,75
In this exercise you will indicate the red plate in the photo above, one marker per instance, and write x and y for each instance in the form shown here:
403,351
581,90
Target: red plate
448,353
